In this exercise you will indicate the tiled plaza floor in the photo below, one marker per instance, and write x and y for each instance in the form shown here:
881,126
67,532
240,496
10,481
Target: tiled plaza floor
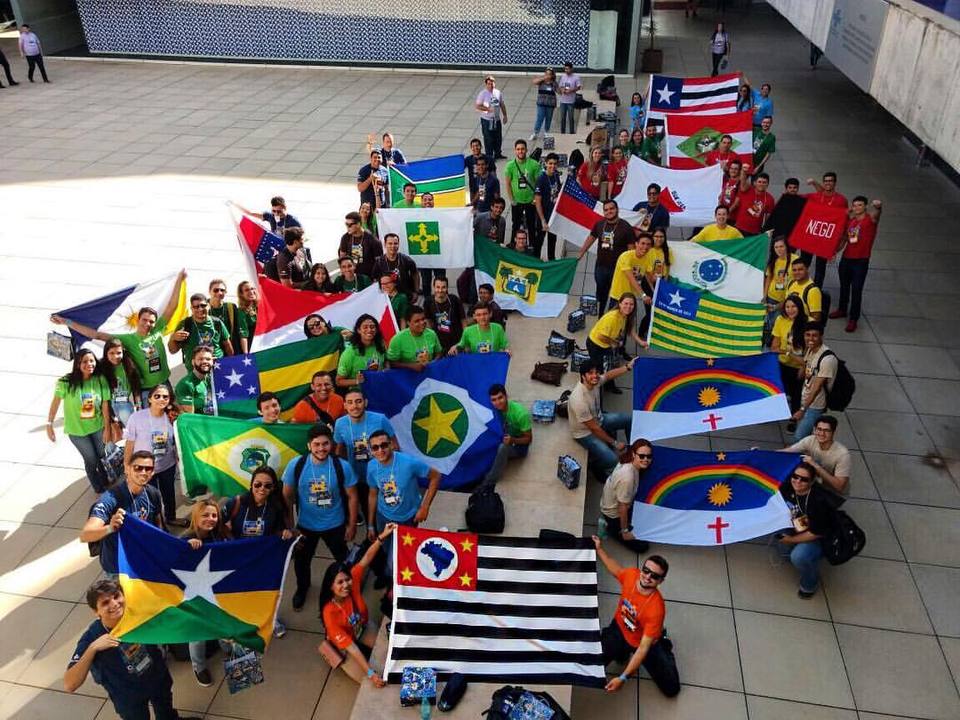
119,171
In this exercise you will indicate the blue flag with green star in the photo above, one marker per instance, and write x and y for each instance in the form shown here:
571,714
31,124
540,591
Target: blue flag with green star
443,415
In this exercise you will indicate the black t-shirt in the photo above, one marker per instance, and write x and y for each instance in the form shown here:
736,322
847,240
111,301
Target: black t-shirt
368,195
612,240
817,505
403,269
247,520
447,320
548,188
470,163
364,252
294,265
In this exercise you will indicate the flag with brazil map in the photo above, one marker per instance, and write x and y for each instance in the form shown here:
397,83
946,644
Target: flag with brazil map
433,237
220,453
445,177
535,287
443,415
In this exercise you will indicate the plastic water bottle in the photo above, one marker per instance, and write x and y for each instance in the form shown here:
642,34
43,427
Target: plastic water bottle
425,709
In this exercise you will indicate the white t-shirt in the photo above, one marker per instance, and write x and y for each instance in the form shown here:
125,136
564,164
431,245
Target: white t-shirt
620,487
154,434
493,100
569,82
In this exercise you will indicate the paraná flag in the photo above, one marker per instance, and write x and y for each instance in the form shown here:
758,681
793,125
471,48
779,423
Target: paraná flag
220,453
176,594
691,497
282,310
684,396
535,287
577,212
443,415
690,137
496,609
257,244
433,237
690,196
732,269
819,230
445,177
717,95
285,370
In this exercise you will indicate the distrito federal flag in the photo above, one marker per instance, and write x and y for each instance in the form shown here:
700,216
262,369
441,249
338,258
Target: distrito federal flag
433,237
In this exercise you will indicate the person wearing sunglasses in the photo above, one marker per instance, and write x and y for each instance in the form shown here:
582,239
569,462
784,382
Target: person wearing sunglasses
151,430
229,313
359,245
636,635
135,496
200,329
810,510
619,491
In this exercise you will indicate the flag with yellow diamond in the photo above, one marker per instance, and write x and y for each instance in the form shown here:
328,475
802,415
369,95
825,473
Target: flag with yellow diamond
433,237
218,455
443,415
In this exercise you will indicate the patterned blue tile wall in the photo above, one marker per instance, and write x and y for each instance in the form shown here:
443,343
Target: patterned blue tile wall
431,32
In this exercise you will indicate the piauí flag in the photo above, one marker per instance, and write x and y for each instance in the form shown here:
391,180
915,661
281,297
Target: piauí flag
690,196
577,212
116,313
433,237
443,415
176,594
691,137
698,323
445,177
666,94
731,269
285,370
691,497
221,453
535,287
496,609
282,310
685,396
257,244
819,229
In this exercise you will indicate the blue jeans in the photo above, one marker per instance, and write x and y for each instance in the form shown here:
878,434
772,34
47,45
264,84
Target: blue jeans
598,452
806,423
568,115
92,451
544,118
492,131
805,558
198,654
603,277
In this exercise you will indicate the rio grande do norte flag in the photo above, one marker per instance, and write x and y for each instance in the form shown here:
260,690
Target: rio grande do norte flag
443,415
433,237
535,287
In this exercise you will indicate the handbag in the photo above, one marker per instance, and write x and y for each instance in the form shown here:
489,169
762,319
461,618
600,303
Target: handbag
59,346
549,372
242,669
568,471
559,346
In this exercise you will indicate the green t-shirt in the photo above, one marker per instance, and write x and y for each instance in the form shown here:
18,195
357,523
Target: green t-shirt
400,304
212,332
237,327
406,348
650,149
516,420
83,405
248,324
404,205
522,179
763,145
148,354
353,362
196,392
475,340
359,283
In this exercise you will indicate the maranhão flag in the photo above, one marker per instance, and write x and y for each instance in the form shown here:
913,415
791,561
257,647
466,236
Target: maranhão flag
691,497
257,244
666,94
495,609
690,196
673,397
282,310
577,212
690,137
819,230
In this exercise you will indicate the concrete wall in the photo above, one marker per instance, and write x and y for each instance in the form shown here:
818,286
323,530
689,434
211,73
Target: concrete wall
55,22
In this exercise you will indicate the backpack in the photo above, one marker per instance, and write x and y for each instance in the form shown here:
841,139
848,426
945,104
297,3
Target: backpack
825,302
506,698
549,372
485,513
840,393
844,540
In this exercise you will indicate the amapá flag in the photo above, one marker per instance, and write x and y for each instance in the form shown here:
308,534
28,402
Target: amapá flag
285,370
690,196
496,609
685,396
691,497
176,594
819,230
732,269
535,287
445,177
690,138
443,415
433,237
220,454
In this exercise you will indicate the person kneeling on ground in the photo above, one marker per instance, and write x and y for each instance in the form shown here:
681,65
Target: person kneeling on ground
829,458
593,429
810,508
517,432
619,491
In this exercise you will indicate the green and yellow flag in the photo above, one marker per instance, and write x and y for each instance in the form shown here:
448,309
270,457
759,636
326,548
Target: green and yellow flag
444,177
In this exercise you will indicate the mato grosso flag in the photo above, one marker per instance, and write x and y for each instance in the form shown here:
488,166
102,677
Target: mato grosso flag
433,237
445,177
691,497
535,287
496,609
176,594
220,454
684,396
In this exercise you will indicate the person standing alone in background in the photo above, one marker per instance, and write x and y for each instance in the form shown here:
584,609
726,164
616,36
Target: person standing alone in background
31,50
719,47
493,116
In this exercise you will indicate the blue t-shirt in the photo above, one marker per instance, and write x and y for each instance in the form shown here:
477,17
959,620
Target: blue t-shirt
320,505
143,507
762,107
130,672
486,191
278,228
355,436
660,217
548,188
397,484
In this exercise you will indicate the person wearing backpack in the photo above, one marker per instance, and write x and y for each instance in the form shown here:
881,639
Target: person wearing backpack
324,491
810,512
820,366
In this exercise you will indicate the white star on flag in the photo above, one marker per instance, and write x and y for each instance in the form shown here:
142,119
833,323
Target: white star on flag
200,581
665,94
251,390
234,377
221,394
247,361
676,298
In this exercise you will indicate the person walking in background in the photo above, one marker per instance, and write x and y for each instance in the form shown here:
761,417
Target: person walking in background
493,116
6,70
719,47
30,49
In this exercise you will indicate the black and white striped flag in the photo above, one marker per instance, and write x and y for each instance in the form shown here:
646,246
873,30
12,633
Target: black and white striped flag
495,609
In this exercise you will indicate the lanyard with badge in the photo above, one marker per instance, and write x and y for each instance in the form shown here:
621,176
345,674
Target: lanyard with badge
320,494
135,657
252,527
361,453
606,237
391,493
522,182
149,350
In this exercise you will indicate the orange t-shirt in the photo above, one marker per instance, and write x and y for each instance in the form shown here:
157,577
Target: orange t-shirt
344,623
303,411
638,614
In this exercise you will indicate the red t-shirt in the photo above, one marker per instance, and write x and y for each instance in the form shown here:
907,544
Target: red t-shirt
715,157
344,623
835,200
861,232
638,615
754,207
590,180
616,176
728,194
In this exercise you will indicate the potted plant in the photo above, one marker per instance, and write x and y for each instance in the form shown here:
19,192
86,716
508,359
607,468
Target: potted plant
652,56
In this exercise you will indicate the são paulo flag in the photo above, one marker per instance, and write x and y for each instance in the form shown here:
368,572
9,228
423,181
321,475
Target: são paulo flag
690,196
690,138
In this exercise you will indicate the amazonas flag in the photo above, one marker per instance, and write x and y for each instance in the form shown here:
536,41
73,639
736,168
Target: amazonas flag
433,237
176,594
690,497
684,396
445,177
257,244
522,282
496,609
691,137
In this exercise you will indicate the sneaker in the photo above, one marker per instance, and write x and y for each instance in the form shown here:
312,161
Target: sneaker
279,629
299,598
791,426
204,679
851,326
533,137
805,594
837,314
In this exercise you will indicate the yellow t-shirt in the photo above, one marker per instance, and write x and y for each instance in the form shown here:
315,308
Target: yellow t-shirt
628,260
779,279
656,263
613,324
712,232
782,328
814,300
